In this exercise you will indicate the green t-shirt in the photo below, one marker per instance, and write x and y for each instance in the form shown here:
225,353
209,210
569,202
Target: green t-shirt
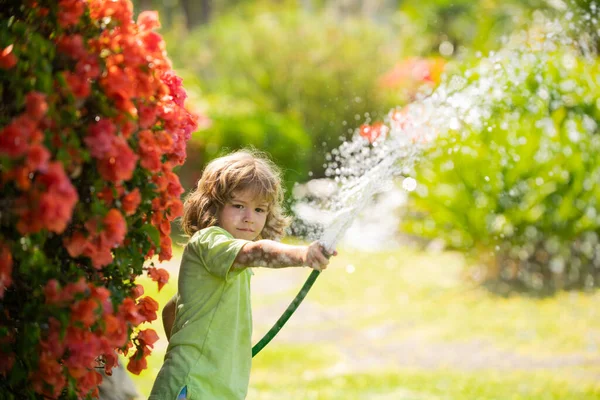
210,350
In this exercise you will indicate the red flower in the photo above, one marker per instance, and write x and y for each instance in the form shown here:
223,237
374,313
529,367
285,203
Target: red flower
176,90
100,256
115,228
49,378
175,209
88,67
119,10
84,311
76,244
164,141
102,296
35,105
72,46
130,312
70,11
88,384
147,337
174,188
52,292
137,291
160,275
131,201
6,264
111,360
115,330
37,158
164,227
51,205
137,363
107,196
148,20
373,132
147,307
82,347
146,115
16,136
149,151
165,248
153,42
7,58
78,84
119,163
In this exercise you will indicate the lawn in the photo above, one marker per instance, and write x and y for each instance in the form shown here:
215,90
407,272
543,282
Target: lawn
404,324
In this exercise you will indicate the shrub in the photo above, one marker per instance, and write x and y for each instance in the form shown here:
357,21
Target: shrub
281,136
517,189
92,124
317,71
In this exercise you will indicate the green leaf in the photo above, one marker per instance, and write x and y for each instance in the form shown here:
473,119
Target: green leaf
152,232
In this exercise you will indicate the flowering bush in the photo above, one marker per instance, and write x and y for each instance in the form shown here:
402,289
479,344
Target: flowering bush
92,123
514,186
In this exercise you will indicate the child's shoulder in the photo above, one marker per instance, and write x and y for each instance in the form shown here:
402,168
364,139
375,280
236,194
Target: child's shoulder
207,234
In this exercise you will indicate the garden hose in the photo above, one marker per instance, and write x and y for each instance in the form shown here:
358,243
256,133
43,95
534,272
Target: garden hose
287,314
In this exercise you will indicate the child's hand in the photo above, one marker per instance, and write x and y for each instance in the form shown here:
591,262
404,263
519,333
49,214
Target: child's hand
316,256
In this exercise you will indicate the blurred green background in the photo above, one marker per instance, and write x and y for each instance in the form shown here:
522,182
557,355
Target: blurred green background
520,264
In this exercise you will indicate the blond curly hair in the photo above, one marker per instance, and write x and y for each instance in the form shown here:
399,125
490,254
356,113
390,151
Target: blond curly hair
238,171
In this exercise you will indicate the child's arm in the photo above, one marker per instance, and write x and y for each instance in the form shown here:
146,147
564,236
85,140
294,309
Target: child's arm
168,316
271,254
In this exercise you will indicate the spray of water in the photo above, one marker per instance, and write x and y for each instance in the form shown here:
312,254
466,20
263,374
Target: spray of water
371,163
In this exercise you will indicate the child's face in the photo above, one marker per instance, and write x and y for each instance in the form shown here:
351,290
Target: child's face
244,216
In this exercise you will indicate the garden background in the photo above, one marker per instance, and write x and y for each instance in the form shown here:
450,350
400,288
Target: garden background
439,315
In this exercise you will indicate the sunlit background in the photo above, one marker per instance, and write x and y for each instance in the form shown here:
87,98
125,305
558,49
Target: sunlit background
472,274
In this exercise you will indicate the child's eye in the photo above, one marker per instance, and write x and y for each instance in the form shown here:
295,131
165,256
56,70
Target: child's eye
260,210
238,206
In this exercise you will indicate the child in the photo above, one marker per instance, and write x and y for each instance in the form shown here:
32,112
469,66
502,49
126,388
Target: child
232,217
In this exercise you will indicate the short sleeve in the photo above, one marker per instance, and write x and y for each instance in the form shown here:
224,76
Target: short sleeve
217,249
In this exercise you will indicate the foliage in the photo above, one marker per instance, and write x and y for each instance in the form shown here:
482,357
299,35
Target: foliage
474,25
517,188
282,136
91,126
315,70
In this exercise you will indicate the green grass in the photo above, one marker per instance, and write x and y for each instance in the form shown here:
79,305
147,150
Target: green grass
411,384
361,313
